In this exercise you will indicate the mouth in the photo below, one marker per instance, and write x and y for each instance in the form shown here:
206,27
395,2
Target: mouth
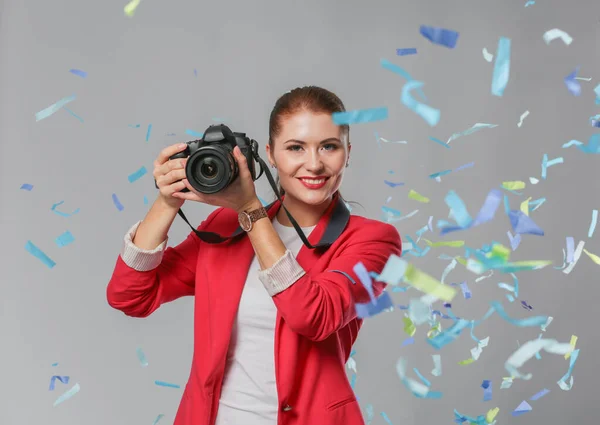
314,183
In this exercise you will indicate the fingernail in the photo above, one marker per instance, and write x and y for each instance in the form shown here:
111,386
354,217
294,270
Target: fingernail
183,162
182,145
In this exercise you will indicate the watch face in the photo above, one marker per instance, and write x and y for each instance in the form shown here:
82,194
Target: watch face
245,221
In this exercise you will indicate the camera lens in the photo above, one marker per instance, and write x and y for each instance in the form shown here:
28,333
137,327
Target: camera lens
211,168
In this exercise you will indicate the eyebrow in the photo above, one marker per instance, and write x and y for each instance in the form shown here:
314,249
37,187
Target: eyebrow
331,139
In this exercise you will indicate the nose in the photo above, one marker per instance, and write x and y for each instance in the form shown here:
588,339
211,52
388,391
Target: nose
314,163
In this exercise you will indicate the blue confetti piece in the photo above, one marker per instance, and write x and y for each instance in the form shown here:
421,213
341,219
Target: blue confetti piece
530,3
62,214
385,418
166,384
38,253
501,73
523,224
572,84
63,379
593,145
524,407
148,132
405,52
353,381
408,341
194,133
441,36
158,418
78,72
145,200
364,310
392,184
398,70
65,239
360,116
27,186
137,174
67,395
73,113
141,357
429,114
54,364
439,174
597,91
439,142
465,290
479,420
133,125
593,223
421,377
52,109
117,203
539,395
462,167
487,390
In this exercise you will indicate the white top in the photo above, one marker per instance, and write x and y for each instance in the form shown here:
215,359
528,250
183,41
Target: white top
249,392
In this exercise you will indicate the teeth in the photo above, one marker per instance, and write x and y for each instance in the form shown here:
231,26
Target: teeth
314,181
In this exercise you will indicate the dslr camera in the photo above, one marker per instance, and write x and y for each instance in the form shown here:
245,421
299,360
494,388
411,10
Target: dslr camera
211,166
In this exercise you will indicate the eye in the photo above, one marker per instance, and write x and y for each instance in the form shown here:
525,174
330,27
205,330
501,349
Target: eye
331,146
293,148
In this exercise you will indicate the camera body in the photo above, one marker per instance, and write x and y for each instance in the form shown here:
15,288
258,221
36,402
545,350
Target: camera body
211,166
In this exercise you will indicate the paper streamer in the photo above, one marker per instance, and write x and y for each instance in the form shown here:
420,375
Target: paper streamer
137,174
27,186
429,114
117,203
73,113
130,7
416,388
67,395
593,223
360,116
528,350
539,395
523,116
487,55
501,72
478,126
39,254
562,383
555,33
64,239
62,214
148,132
166,384
524,407
45,113
63,379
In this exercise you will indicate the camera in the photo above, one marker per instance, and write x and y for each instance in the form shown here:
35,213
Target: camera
211,166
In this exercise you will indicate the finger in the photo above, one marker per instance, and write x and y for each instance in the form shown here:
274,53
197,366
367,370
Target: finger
171,177
170,166
164,155
242,162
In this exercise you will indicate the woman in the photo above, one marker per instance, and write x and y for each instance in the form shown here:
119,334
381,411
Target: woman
274,320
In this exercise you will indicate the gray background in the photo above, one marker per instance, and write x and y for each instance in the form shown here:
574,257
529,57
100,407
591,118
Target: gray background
141,71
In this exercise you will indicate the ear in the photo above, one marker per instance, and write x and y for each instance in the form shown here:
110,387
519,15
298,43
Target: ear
269,154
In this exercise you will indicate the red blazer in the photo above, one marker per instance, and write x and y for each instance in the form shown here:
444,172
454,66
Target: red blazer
316,320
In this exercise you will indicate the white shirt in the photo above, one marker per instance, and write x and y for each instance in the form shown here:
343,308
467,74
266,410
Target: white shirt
249,391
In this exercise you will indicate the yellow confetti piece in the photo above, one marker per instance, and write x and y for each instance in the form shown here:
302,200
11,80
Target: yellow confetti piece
491,415
409,326
425,283
417,197
573,342
516,185
525,206
131,6
594,257
453,244
466,362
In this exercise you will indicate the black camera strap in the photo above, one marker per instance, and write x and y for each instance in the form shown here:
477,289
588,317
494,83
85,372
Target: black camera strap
333,230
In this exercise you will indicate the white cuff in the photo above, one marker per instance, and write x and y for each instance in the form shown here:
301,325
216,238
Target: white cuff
140,259
282,274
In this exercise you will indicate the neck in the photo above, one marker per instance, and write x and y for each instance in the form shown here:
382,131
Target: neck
305,215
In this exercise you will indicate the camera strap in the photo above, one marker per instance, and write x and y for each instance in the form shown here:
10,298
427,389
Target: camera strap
333,230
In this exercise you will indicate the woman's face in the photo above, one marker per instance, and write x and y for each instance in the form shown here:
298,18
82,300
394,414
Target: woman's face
310,156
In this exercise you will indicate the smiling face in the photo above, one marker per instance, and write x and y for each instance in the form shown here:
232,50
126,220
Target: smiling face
310,153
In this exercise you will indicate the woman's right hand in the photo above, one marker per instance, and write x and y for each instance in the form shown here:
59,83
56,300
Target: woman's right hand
169,174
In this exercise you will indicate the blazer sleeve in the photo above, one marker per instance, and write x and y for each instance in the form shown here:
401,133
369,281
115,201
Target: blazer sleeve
144,280
320,305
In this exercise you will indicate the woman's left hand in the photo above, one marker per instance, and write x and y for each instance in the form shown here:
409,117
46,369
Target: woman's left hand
240,194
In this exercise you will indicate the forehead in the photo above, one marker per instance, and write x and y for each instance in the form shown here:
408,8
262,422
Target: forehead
308,126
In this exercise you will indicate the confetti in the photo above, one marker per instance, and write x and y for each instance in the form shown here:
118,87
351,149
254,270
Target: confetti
67,395
78,72
39,254
408,51
437,365
576,255
441,36
573,343
524,407
392,184
562,383
439,142
166,384
130,7
515,185
501,73
462,167
73,113
398,70
461,215
55,211
555,33
547,164
402,142
593,223
487,390
148,132
194,133
593,257
523,224
421,377
597,91
539,395
117,203
27,186
528,350
523,116
158,418
382,303
478,126
63,379
50,110
429,114
515,241
416,388
572,84
530,3
487,55
64,239
465,290
452,244
386,418
360,116
141,357
408,341
137,174
417,197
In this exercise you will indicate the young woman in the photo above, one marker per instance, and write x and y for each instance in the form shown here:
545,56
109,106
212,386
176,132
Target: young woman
274,320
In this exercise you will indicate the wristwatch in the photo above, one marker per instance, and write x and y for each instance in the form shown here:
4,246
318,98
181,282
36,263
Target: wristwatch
247,218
